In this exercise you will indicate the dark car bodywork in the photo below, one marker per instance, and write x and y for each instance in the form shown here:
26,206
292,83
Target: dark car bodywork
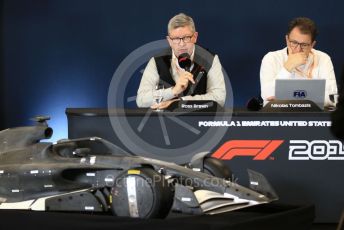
83,175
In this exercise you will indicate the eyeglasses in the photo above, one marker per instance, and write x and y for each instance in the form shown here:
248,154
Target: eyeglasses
294,44
185,39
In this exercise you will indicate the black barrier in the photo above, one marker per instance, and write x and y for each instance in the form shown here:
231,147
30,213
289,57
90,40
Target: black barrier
298,154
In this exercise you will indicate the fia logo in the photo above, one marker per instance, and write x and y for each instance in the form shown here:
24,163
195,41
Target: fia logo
300,94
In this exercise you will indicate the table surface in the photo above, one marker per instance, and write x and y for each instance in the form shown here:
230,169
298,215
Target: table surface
226,112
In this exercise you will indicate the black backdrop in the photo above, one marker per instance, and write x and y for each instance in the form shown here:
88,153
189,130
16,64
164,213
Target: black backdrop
63,53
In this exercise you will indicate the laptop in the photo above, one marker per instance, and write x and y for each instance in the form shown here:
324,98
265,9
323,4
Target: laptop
301,89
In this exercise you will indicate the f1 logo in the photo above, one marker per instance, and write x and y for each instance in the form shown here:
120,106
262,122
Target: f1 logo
258,149
300,94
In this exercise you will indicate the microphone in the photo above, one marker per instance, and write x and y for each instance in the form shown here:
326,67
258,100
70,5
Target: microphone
197,80
254,104
184,61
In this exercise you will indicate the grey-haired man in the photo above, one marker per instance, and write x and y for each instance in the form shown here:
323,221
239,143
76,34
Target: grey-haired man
182,37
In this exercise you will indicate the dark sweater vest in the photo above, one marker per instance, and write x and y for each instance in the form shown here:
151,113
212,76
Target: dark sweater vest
203,61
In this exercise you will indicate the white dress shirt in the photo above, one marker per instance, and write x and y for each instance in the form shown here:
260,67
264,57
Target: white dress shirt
216,89
272,68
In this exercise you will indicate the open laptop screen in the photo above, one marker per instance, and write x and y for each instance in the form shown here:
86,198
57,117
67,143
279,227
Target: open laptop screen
301,89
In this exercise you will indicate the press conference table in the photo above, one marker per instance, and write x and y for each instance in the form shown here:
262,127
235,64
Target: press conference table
296,151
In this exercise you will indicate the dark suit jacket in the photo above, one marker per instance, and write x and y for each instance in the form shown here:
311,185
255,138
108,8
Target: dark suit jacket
338,115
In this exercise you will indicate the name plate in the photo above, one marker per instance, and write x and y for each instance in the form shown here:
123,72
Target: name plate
195,106
291,106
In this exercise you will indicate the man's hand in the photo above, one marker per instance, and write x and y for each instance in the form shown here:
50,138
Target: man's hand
182,82
164,104
271,98
295,60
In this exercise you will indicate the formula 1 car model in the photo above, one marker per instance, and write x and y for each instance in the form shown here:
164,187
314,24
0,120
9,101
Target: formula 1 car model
94,175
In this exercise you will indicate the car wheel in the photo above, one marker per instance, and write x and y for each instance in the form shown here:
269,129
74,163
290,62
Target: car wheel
218,168
142,193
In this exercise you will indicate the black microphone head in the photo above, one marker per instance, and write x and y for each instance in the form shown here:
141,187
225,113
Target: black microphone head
184,61
254,104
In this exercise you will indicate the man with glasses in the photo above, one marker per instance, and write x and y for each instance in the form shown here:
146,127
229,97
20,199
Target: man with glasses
298,60
177,81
